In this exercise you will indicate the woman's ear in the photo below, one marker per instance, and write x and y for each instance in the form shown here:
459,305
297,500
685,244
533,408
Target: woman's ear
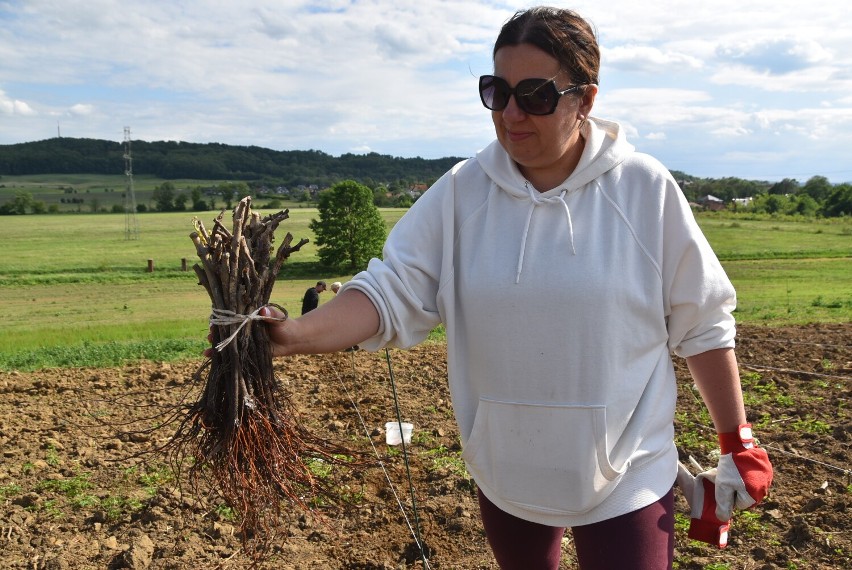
587,101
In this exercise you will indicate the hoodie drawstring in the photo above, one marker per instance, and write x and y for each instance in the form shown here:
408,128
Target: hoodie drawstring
536,199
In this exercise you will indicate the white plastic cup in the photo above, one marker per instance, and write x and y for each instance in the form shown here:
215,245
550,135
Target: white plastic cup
392,435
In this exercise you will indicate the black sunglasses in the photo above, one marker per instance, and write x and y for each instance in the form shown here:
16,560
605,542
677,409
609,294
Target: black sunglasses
533,96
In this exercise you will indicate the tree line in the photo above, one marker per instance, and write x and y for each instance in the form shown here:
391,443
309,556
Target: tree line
171,160
260,169
815,197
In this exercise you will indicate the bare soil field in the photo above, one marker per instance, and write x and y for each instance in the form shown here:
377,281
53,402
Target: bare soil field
81,487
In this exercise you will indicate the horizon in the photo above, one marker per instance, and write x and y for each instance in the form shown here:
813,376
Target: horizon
364,154
757,92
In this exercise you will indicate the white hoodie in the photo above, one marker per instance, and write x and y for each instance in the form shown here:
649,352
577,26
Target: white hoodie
561,310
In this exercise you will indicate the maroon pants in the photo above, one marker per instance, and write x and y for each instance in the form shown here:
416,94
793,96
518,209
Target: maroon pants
641,540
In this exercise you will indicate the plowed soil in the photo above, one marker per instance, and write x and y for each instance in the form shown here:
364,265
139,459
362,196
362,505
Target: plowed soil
79,490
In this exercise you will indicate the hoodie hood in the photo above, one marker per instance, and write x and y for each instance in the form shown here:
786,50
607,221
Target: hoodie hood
606,147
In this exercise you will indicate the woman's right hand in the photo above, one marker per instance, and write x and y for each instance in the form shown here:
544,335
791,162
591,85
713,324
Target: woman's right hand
274,319
277,324
344,321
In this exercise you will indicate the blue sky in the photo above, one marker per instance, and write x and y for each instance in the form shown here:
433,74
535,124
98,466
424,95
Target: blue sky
758,90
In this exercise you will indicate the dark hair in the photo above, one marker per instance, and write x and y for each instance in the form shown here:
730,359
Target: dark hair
564,34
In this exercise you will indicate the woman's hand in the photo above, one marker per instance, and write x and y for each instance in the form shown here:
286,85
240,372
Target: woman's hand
344,321
273,318
277,326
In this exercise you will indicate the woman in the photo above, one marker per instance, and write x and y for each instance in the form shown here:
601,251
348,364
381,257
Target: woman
560,370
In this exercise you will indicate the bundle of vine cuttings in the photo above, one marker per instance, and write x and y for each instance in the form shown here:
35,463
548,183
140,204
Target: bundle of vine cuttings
242,436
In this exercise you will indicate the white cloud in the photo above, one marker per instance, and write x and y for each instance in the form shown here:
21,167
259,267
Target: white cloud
10,106
81,109
648,59
776,55
398,76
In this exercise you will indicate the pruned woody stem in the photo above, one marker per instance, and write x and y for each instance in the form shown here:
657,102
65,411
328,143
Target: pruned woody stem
242,435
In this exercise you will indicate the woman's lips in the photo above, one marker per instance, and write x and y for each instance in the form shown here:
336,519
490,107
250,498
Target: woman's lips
516,136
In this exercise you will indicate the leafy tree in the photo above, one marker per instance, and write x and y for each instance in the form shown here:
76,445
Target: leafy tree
769,203
818,188
18,205
350,230
180,202
803,205
840,201
786,186
164,196
198,203
227,192
231,190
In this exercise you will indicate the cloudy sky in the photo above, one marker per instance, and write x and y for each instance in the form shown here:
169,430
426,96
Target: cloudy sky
758,90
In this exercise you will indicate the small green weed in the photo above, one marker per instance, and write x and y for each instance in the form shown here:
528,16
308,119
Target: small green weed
319,468
52,456
763,421
681,523
443,458
423,438
49,508
116,506
225,513
748,523
155,477
9,490
70,488
784,400
811,425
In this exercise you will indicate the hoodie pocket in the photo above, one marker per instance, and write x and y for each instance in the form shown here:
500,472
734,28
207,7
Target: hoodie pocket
548,458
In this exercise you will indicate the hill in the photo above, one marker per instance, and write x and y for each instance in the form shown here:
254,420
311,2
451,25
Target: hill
213,161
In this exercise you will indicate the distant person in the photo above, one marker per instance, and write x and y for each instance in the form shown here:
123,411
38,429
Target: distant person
311,299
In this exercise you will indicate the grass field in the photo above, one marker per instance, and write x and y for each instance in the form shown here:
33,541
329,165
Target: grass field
74,291
92,191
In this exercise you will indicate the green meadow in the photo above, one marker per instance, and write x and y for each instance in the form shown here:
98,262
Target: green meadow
75,292
91,191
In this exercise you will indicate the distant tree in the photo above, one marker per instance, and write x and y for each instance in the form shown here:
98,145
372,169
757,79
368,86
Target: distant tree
198,203
769,203
180,202
818,188
19,205
233,190
350,230
164,196
802,205
840,201
227,192
786,186
403,201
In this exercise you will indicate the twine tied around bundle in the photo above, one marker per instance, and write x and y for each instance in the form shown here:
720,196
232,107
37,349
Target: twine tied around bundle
224,317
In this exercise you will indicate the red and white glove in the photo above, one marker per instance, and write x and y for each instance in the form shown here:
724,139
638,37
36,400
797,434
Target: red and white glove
744,473
741,480
700,493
